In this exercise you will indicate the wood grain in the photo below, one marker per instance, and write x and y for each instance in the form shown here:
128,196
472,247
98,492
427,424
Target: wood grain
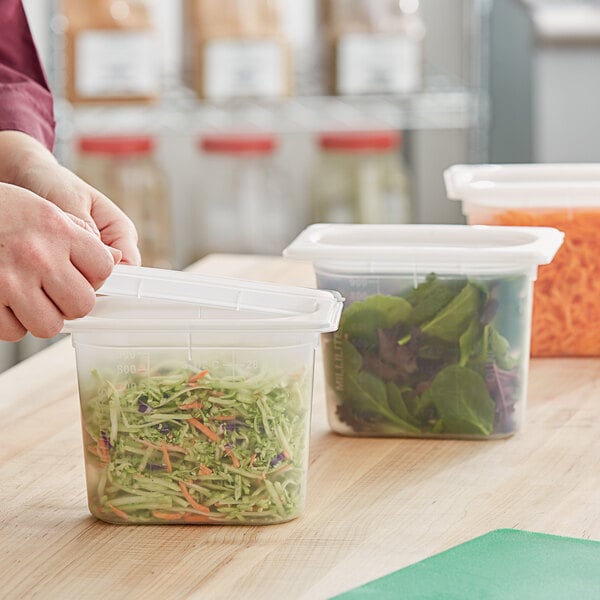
374,505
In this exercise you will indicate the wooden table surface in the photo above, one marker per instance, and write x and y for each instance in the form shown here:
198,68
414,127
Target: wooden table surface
374,505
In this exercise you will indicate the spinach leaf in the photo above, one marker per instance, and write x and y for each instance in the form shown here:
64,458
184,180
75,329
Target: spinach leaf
431,296
462,401
450,323
363,319
500,350
398,405
470,342
368,396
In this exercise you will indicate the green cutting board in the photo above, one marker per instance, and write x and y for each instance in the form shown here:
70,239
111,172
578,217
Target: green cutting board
506,564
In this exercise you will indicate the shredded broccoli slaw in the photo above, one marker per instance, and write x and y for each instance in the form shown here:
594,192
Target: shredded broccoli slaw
176,445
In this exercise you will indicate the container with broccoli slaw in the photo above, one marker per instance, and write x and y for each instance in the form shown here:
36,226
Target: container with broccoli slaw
434,337
196,396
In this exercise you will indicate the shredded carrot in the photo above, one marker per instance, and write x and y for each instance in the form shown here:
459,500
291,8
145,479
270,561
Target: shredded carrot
209,433
192,518
252,460
566,308
167,458
103,450
93,449
234,459
191,406
225,418
120,513
204,470
167,516
193,503
195,378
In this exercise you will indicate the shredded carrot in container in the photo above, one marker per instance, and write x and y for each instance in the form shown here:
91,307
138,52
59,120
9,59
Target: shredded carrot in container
103,450
566,308
204,470
191,406
167,458
193,518
120,513
209,433
190,499
234,459
197,377
166,516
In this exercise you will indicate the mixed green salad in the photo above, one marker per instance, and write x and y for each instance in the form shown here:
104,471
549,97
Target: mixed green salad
177,445
446,358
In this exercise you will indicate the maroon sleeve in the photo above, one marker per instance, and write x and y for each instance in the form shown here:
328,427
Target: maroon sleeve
26,102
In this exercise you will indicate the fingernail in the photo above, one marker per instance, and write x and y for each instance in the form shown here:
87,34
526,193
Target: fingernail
116,254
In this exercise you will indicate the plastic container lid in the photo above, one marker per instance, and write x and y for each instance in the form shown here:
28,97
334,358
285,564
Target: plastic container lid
525,185
454,249
239,144
116,145
244,305
359,141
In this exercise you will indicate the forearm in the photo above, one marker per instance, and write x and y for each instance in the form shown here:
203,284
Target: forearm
19,153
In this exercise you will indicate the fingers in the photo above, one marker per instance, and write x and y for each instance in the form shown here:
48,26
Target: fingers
64,292
129,252
38,314
119,233
87,207
93,259
12,330
91,227
116,228
116,254
50,266
70,293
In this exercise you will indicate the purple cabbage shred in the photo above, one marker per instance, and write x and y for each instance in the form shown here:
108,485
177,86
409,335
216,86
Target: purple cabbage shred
275,461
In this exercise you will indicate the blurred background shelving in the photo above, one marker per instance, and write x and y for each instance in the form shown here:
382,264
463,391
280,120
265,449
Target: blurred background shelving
441,122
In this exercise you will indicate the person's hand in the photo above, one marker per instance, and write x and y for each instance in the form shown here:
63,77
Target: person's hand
50,265
29,165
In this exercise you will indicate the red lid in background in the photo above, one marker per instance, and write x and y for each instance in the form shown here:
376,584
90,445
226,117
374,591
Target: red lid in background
239,143
118,145
356,141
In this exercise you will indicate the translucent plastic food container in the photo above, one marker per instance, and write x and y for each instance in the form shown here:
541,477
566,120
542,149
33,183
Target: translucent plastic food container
566,308
434,337
196,397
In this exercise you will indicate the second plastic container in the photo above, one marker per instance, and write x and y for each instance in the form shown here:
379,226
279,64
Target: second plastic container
566,307
434,336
